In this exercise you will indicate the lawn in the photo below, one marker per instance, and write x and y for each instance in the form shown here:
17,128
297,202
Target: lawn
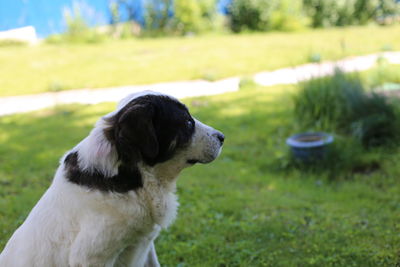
28,70
245,209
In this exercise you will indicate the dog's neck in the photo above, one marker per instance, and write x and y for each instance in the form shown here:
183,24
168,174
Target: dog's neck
165,174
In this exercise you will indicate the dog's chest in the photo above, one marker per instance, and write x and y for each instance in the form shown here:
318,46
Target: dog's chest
162,207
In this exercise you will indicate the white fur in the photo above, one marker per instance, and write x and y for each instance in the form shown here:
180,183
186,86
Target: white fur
78,227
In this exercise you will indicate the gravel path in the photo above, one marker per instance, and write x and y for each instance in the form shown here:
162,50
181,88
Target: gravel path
19,104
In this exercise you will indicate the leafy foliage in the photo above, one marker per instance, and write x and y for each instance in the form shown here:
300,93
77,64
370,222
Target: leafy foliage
288,16
325,13
188,15
193,16
158,15
251,15
326,102
340,103
263,15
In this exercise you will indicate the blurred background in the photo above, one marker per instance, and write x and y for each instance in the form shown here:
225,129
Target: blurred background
261,71
191,17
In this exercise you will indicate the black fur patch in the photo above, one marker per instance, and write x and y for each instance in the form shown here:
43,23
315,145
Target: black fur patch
148,129
128,177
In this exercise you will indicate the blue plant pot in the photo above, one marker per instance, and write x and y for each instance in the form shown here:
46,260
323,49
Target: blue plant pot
309,146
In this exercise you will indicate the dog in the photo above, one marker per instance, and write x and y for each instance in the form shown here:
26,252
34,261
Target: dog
115,190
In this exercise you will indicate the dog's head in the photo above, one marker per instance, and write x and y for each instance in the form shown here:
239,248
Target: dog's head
147,129
155,128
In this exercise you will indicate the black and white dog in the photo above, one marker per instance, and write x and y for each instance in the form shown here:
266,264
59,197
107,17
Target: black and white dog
114,191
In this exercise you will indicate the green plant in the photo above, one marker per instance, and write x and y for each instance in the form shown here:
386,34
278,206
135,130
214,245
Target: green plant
322,12
77,28
288,16
365,10
251,14
263,15
193,16
388,12
158,16
211,18
374,121
314,58
325,102
247,82
325,13
340,103
188,17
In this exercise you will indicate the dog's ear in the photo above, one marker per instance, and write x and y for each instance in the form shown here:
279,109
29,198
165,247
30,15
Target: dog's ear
134,133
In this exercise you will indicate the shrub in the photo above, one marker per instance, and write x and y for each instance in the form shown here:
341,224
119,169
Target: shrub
158,16
340,103
288,16
373,120
188,17
365,10
195,15
250,14
321,12
314,57
263,15
387,11
323,102
77,28
325,13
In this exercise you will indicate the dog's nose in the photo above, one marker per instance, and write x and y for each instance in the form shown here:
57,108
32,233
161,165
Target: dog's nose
220,137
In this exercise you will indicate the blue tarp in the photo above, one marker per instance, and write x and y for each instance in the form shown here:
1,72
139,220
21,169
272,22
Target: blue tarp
47,16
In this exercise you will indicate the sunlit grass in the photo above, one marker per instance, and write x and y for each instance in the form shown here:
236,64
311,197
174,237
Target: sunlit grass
25,70
244,209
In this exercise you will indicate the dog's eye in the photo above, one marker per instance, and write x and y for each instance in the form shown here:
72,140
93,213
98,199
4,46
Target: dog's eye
189,123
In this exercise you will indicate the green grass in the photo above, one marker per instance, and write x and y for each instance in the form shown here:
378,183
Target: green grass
26,70
246,208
